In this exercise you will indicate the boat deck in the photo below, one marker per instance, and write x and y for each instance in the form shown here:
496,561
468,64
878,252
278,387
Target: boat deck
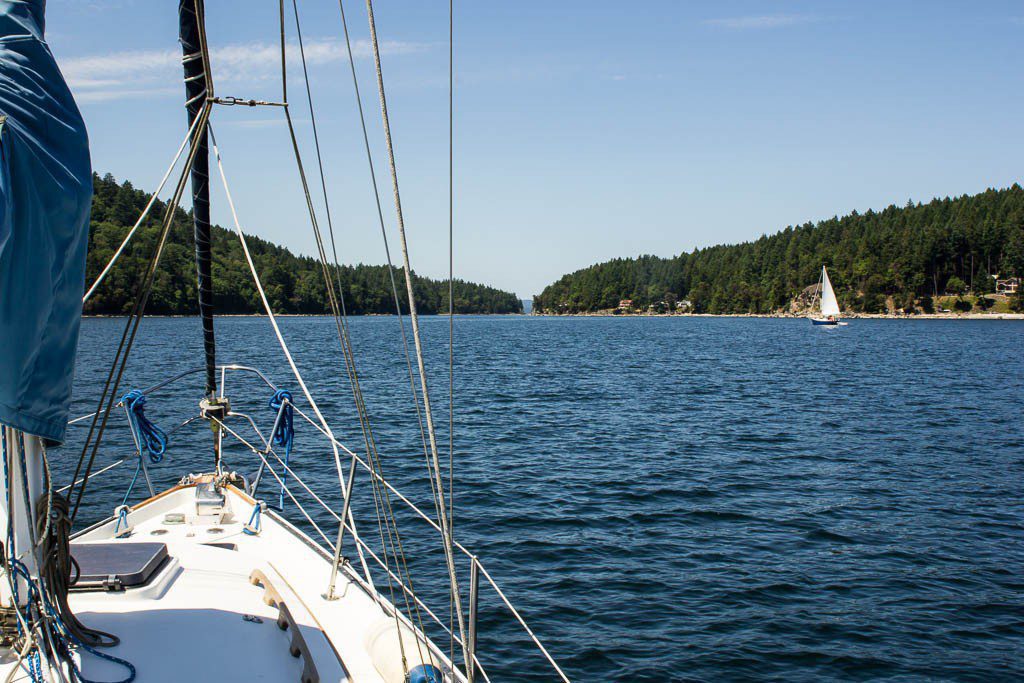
202,619
211,612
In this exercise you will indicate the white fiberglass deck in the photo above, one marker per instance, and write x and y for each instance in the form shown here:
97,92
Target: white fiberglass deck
201,618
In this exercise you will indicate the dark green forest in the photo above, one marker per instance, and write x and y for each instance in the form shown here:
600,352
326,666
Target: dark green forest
900,256
294,284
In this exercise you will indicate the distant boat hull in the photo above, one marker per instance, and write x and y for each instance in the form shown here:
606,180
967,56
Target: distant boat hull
823,321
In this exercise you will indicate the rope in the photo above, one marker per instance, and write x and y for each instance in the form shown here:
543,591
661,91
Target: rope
122,519
451,308
277,331
54,625
147,435
145,212
66,636
387,251
374,466
284,432
414,319
338,309
107,397
252,527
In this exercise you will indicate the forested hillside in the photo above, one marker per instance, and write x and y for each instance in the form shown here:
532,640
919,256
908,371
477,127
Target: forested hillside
294,284
904,255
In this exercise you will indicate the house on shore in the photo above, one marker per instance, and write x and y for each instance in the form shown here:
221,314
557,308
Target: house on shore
1007,287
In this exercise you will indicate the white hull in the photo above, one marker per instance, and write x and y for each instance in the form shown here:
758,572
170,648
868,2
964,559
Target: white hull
202,618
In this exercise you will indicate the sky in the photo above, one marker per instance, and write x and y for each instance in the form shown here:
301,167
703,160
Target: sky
584,131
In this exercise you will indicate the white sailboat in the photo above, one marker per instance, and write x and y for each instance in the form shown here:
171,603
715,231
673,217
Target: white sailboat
202,581
829,306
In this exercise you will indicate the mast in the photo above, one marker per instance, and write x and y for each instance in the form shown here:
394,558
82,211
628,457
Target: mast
198,88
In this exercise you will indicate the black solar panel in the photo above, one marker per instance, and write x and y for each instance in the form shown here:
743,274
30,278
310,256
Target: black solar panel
116,566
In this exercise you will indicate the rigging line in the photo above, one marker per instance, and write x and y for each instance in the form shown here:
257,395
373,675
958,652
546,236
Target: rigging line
280,338
145,212
381,497
377,465
284,63
382,504
331,296
108,396
204,50
288,470
387,250
338,305
336,308
451,297
452,575
316,144
344,337
262,455
95,474
295,477
451,262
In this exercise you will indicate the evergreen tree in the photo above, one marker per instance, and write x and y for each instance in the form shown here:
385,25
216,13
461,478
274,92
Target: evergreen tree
294,284
894,255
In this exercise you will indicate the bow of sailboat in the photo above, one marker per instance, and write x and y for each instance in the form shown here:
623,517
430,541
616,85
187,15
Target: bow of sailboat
206,581
239,601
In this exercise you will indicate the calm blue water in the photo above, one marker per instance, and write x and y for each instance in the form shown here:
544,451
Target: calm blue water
674,499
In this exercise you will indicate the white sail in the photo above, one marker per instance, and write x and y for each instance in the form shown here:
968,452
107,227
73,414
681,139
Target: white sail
829,305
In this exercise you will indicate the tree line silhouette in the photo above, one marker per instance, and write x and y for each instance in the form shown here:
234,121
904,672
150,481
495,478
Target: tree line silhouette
294,284
900,256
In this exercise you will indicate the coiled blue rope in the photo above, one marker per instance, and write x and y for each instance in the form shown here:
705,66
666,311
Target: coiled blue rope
64,636
35,670
150,437
284,431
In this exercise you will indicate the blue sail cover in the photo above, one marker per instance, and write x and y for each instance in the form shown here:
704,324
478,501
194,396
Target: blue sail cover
45,196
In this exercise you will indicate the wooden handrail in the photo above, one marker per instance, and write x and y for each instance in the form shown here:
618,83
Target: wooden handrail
285,621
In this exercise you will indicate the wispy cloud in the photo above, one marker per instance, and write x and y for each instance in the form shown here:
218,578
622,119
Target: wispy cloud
111,94
134,73
768,21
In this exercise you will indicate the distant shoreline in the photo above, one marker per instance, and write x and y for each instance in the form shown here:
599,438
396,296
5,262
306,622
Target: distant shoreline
605,314
284,315
856,316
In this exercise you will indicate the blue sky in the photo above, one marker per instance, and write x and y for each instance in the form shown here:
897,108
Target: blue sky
584,130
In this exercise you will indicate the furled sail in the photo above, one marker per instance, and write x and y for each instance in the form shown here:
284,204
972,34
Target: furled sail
45,195
190,18
829,305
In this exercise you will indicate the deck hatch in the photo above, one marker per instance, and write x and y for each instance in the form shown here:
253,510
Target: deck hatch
116,566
